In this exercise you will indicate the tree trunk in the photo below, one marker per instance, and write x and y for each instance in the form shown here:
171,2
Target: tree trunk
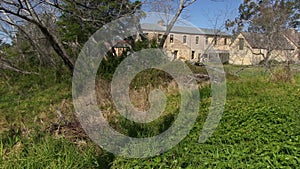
53,40
171,25
58,47
267,59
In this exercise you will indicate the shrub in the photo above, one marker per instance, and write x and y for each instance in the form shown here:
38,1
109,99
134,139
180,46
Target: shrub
282,74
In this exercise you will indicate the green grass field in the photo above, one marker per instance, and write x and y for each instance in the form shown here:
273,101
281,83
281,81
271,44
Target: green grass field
260,127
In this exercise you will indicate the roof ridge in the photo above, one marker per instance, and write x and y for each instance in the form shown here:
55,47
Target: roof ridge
184,29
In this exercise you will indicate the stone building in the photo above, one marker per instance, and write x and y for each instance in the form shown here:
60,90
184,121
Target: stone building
190,43
251,49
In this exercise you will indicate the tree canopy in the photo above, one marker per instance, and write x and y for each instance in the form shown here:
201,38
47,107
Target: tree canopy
265,16
75,22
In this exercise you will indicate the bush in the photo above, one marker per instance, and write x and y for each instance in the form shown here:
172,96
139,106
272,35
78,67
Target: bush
282,74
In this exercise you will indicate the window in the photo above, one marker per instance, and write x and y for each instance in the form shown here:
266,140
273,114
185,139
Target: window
175,54
193,54
171,38
197,40
225,41
159,37
215,40
241,44
206,40
184,39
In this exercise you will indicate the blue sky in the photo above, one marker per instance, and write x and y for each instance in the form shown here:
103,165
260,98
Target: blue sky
208,13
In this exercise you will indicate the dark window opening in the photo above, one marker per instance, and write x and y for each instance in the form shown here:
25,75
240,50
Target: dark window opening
215,40
206,40
159,37
193,54
225,41
197,40
175,54
184,39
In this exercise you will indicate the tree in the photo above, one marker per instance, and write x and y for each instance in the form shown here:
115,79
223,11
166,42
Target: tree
82,18
31,35
85,16
268,17
31,11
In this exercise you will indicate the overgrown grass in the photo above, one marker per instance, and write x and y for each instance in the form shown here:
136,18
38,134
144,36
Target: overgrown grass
260,127
31,99
27,106
40,150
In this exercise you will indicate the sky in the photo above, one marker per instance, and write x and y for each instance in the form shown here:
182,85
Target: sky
209,13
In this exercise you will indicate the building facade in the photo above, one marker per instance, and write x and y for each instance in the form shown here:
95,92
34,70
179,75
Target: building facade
190,43
253,48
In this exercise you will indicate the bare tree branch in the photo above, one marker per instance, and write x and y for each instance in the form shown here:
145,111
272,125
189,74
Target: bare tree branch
6,65
7,8
182,5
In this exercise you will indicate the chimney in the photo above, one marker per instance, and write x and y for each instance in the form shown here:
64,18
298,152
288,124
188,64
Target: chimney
161,23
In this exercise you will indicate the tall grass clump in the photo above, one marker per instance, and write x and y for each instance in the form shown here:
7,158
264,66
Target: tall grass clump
283,74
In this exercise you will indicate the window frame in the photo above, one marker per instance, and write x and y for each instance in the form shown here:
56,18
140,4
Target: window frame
206,40
171,38
175,54
241,43
184,40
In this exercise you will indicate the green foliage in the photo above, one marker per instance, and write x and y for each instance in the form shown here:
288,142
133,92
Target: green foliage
27,105
139,130
282,74
264,16
196,69
139,45
40,150
21,55
82,19
109,65
152,77
260,128
25,97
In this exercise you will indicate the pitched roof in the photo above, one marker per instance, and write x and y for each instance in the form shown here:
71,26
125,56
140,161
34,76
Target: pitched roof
183,29
293,36
260,41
